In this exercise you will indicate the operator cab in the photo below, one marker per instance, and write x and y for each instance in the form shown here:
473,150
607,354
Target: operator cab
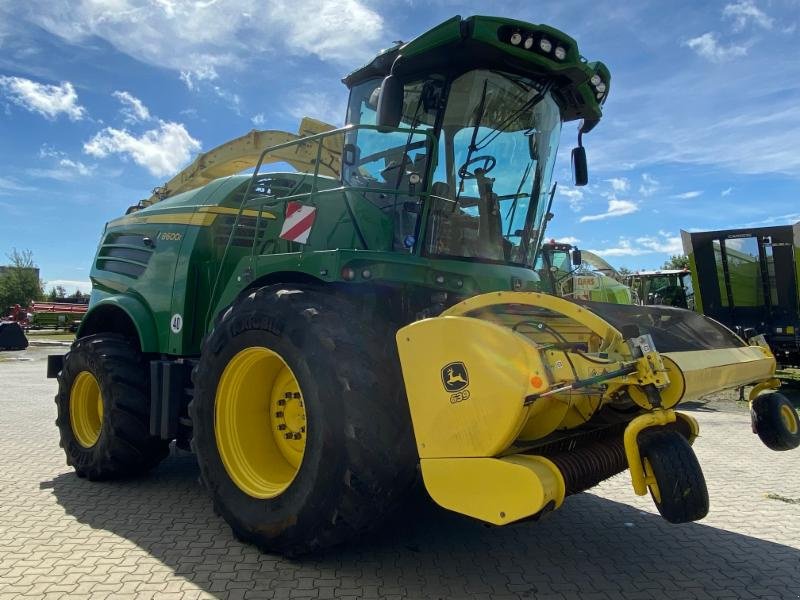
457,134
483,142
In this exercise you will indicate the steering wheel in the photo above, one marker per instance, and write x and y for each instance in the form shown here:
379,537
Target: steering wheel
489,163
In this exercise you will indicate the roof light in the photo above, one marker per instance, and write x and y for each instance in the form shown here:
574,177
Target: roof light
545,44
560,53
599,95
516,38
596,80
601,87
348,273
528,43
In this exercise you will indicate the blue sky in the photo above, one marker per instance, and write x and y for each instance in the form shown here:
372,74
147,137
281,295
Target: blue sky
102,100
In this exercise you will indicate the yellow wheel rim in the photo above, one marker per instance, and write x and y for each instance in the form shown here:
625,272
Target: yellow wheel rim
789,418
86,409
260,422
650,480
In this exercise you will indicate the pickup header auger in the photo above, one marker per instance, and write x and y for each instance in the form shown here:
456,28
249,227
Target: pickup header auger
322,334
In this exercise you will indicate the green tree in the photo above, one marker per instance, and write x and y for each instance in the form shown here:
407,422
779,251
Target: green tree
622,273
57,293
79,296
20,283
677,261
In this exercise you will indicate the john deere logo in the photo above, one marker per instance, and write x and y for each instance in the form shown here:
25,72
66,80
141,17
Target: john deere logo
455,377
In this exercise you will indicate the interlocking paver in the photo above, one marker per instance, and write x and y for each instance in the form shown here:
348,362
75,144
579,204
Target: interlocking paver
157,537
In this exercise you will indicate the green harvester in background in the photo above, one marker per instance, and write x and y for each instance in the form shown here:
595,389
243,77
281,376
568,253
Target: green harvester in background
568,272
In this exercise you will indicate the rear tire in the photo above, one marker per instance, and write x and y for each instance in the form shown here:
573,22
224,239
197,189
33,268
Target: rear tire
358,456
776,422
103,409
679,490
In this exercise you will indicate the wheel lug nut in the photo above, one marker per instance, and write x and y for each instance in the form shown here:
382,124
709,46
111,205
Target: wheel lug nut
281,402
303,429
297,436
279,414
288,436
281,427
288,395
296,395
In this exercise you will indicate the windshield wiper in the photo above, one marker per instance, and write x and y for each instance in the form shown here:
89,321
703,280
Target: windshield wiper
490,137
512,211
472,146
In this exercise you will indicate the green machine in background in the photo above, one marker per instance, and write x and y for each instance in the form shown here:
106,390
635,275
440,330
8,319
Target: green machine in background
568,272
749,280
665,287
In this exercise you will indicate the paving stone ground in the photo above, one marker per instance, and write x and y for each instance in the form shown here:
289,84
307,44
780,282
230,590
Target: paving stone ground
157,536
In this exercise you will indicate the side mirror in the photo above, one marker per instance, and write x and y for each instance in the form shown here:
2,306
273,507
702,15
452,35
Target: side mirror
390,102
577,259
580,170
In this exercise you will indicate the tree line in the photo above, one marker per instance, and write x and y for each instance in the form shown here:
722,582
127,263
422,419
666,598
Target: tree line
20,284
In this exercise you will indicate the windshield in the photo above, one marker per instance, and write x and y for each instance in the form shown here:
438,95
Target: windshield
498,143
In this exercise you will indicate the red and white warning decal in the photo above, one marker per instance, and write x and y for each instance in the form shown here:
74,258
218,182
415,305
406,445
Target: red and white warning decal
298,222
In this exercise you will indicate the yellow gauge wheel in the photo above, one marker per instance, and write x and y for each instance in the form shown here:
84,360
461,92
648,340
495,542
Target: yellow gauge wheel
650,480
260,422
86,409
789,418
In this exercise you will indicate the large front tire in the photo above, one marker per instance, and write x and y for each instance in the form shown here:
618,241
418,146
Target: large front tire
333,459
103,409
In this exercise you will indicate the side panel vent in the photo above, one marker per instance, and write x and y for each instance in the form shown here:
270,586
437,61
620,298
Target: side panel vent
124,254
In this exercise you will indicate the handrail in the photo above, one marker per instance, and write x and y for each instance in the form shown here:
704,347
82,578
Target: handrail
318,138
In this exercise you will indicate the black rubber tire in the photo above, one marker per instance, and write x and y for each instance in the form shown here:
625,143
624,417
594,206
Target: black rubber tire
680,480
125,446
770,426
360,458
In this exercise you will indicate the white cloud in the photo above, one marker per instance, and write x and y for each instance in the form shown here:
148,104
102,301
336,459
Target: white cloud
619,184
9,185
193,77
64,169
744,12
319,105
162,151
231,99
196,77
50,101
200,38
726,192
70,285
688,195
567,240
663,243
61,167
616,208
574,196
133,110
338,27
259,120
709,47
649,185
784,219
